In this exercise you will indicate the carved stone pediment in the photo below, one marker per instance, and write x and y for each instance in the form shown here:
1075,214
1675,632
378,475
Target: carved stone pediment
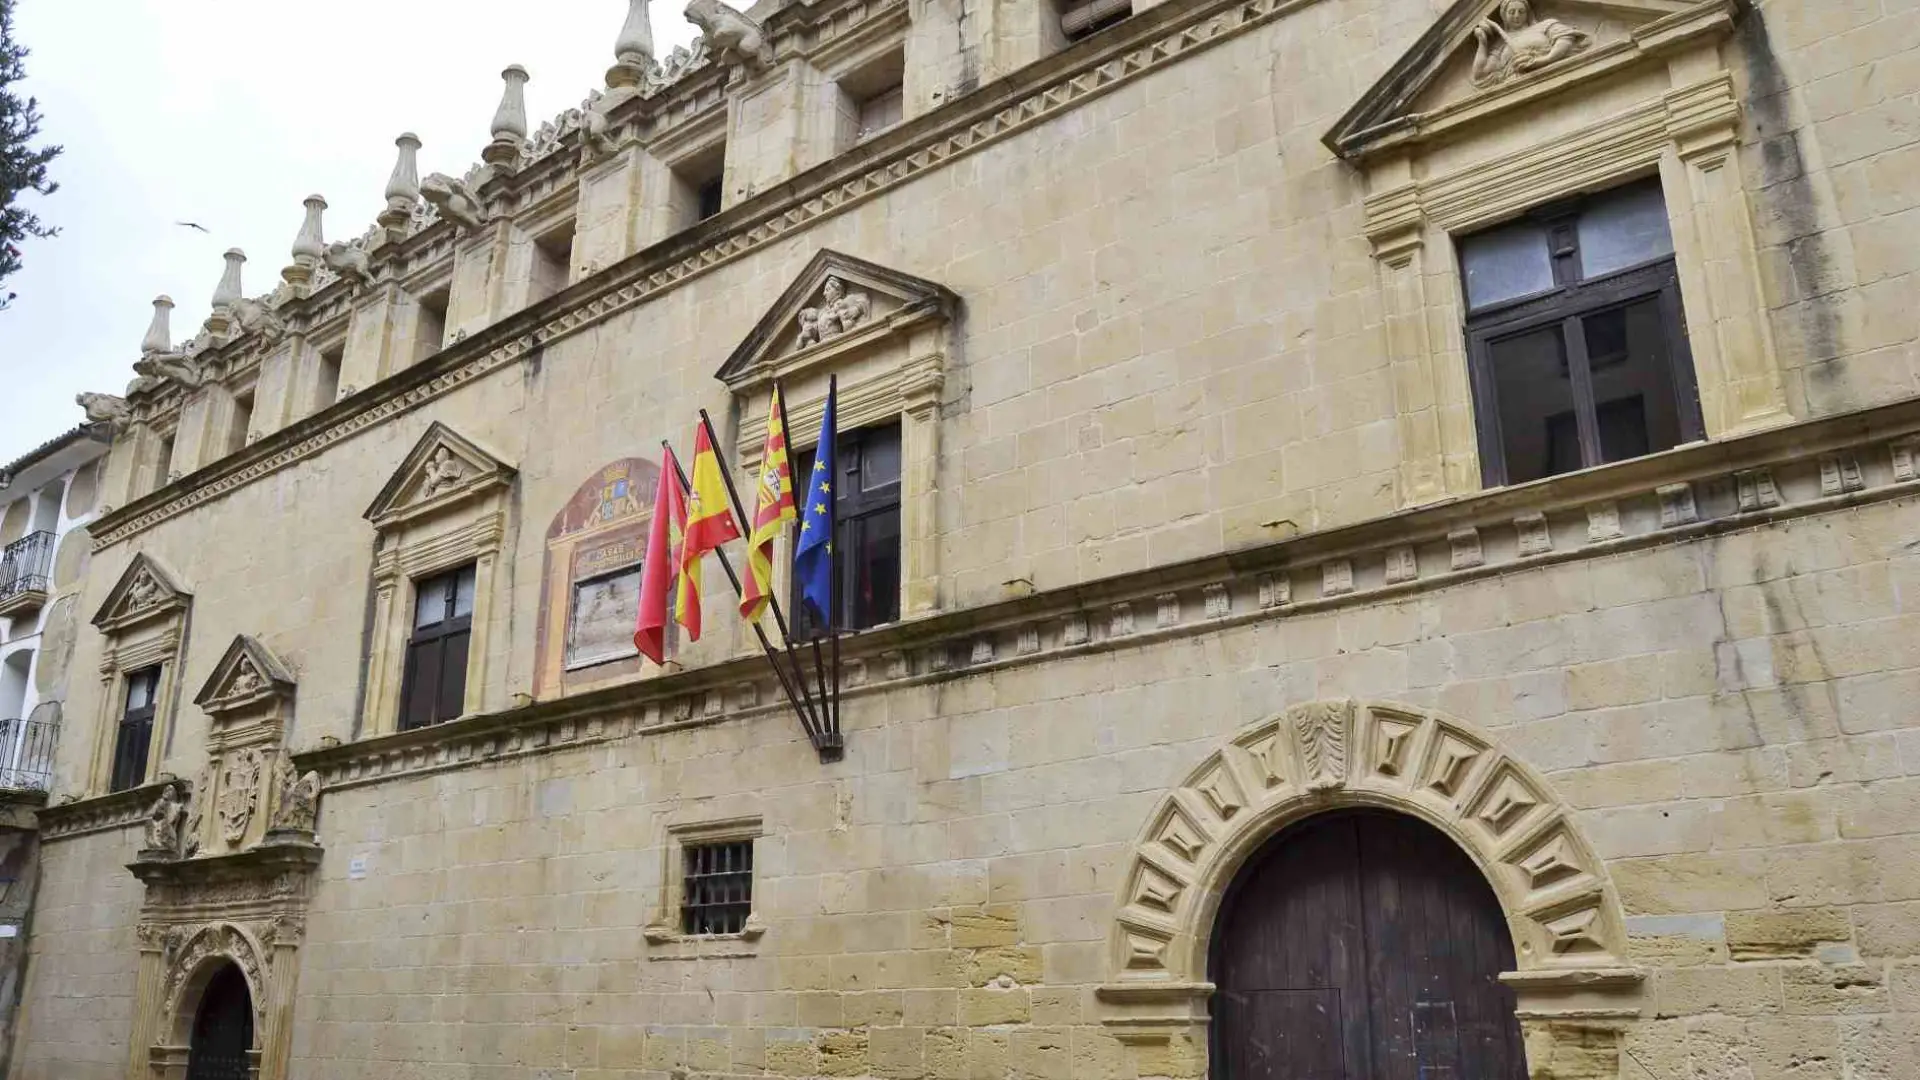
247,674
1487,56
443,469
145,591
836,304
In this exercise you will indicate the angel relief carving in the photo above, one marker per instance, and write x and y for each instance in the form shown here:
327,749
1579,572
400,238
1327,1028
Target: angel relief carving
443,472
297,798
246,679
163,821
143,592
1514,41
840,310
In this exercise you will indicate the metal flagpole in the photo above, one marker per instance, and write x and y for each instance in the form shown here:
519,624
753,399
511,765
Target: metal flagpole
779,617
833,568
819,665
806,720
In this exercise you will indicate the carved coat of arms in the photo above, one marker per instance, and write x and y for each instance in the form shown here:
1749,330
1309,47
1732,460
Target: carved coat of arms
239,794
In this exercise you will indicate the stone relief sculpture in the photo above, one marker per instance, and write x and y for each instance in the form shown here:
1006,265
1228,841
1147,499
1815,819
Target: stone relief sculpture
246,679
443,472
105,409
163,821
177,366
298,799
252,316
348,261
1514,42
239,794
1321,727
195,806
839,311
142,592
729,34
453,200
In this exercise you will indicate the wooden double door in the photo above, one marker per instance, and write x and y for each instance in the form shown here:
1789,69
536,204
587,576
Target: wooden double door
1363,945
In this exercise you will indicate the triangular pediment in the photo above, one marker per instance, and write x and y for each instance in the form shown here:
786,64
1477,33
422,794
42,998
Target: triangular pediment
837,302
444,468
247,672
145,591
1482,57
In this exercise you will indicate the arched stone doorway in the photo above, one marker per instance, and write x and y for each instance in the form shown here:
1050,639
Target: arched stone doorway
220,1046
1361,944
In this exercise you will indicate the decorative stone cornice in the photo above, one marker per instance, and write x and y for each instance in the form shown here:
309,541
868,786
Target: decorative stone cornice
1151,41
99,813
1757,479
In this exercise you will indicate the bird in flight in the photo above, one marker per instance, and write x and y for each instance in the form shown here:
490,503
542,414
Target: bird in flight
194,225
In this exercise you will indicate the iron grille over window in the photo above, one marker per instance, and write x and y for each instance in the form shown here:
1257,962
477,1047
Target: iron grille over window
135,732
717,894
434,685
866,539
1575,338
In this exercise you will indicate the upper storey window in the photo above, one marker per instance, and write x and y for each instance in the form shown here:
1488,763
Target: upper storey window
434,685
867,532
1575,337
1078,18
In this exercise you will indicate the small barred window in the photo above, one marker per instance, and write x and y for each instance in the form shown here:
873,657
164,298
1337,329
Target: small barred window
718,891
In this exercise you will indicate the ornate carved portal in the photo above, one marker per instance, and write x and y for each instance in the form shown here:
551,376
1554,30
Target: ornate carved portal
1559,905
228,867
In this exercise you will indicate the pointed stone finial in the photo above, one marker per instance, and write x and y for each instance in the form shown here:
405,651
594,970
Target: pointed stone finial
159,337
226,294
403,187
633,49
309,246
509,121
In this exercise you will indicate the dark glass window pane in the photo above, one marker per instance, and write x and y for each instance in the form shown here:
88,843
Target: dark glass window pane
1533,392
1627,348
134,734
880,458
876,557
453,675
418,682
1506,262
1624,228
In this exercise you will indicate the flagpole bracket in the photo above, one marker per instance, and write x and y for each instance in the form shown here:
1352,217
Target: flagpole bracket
831,745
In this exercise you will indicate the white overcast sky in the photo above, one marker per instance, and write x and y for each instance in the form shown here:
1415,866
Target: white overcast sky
229,113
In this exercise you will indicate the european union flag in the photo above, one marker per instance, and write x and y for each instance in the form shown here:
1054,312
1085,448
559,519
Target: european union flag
813,555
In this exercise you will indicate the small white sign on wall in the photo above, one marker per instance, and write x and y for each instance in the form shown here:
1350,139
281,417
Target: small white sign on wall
8,930
357,867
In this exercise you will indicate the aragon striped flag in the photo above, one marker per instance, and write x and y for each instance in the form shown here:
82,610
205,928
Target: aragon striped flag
662,562
709,524
773,508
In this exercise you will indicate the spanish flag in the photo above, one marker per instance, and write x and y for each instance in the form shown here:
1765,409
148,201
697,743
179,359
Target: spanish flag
709,524
662,562
772,510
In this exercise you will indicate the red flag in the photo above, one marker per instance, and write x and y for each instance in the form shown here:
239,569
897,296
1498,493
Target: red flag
660,568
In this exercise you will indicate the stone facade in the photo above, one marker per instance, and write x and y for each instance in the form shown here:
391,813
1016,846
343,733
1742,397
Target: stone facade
1195,543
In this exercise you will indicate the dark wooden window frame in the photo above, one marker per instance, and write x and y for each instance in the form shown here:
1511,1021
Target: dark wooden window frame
857,509
133,736
429,690
1572,300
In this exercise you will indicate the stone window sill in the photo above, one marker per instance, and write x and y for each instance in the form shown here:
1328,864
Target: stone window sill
666,943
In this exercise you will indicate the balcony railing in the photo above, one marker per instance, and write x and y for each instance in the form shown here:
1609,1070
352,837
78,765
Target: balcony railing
25,566
26,754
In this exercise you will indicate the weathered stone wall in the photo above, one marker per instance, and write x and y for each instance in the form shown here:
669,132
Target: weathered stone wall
1727,717
1171,345
81,960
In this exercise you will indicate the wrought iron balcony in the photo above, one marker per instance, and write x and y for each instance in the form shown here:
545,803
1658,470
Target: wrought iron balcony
26,566
26,754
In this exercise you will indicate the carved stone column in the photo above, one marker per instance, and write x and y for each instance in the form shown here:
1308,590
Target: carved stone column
1720,286
147,1004
919,489
276,1041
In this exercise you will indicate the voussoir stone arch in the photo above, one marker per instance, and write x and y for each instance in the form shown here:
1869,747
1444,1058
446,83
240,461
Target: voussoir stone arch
1559,904
193,966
